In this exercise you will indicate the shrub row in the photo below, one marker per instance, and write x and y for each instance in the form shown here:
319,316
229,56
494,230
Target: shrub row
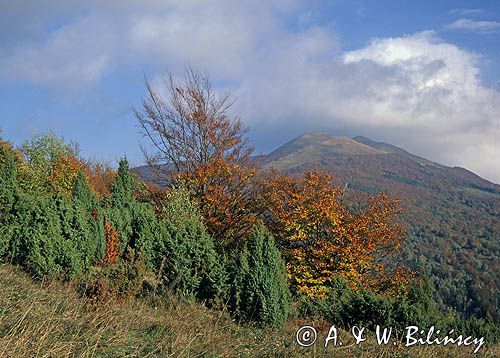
119,245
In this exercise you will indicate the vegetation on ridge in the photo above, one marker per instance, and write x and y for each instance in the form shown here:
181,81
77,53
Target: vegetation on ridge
258,246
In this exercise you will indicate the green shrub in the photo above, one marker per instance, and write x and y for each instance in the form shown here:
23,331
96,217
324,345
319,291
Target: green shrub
89,217
346,307
184,257
121,188
417,306
81,230
8,193
39,245
144,228
259,289
48,235
53,236
83,193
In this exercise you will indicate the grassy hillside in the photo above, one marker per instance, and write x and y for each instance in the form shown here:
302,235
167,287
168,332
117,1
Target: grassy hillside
50,319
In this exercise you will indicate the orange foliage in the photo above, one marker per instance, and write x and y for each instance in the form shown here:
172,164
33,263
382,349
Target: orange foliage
112,244
194,135
396,284
100,177
226,197
154,193
63,174
322,238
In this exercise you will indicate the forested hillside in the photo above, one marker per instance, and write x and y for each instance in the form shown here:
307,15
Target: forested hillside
453,216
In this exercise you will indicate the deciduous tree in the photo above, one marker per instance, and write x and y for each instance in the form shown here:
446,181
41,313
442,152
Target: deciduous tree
195,140
322,239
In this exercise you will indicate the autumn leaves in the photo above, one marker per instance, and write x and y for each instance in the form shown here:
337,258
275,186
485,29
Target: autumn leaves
192,133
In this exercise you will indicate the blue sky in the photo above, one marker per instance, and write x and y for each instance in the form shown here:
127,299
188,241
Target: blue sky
423,75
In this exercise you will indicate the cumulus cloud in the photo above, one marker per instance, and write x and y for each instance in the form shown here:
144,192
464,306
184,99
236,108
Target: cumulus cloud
217,35
483,27
414,91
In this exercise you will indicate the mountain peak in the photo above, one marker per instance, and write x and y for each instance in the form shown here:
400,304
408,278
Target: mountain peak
317,146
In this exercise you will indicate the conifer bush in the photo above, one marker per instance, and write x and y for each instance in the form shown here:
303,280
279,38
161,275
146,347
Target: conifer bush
184,256
134,221
8,192
40,245
144,231
48,234
90,218
259,289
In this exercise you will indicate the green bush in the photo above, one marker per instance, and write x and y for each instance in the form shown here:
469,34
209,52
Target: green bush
121,188
52,235
8,193
135,221
184,258
83,193
346,307
144,228
39,244
89,217
48,235
259,289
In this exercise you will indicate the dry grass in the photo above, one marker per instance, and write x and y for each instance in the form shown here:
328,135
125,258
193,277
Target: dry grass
52,320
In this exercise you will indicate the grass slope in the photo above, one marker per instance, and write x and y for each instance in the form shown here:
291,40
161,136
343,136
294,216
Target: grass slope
50,319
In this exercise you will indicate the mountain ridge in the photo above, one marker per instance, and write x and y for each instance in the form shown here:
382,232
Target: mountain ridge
452,214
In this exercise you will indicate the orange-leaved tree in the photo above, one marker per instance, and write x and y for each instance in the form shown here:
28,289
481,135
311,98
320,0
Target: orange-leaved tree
322,239
100,176
112,244
63,173
195,141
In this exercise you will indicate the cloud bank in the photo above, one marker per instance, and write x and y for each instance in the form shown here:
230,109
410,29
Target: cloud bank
415,91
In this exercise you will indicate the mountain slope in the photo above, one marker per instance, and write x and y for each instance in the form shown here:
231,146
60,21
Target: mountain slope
452,214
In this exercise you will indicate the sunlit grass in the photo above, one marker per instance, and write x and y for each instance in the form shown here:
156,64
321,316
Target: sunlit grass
50,319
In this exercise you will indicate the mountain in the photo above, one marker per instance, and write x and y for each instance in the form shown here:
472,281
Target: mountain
452,214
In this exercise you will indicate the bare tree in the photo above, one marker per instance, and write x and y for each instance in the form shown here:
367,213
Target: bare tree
195,139
192,127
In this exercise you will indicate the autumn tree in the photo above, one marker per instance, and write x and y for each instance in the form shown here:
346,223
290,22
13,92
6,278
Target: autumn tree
197,142
321,239
100,176
63,174
50,164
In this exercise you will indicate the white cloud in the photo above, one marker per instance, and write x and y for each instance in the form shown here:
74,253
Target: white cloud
414,91
75,54
465,12
216,34
483,27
